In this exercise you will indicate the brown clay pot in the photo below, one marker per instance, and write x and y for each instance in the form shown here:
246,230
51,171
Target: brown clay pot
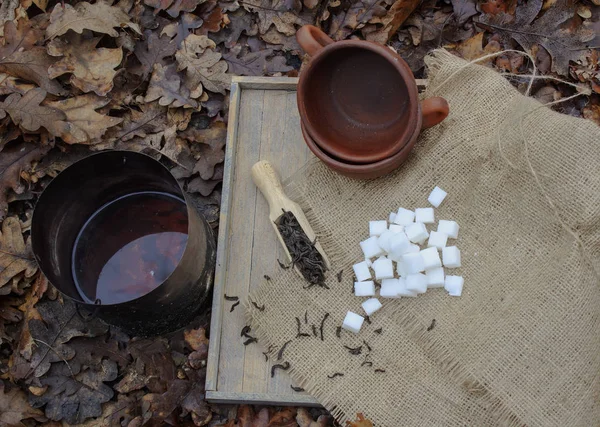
357,170
359,100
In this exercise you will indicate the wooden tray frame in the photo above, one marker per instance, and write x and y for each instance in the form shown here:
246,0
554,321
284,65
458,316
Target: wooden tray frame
212,372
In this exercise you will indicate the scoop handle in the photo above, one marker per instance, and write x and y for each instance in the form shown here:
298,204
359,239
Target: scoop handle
267,180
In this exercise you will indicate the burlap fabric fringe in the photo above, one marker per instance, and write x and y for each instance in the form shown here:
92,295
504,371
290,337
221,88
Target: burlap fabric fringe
521,347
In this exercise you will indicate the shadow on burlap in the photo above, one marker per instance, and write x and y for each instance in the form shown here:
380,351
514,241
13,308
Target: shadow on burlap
521,347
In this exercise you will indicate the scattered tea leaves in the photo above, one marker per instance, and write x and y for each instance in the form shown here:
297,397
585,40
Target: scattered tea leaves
284,367
379,370
354,351
338,331
337,374
282,349
378,331
250,341
430,327
267,277
322,324
258,307
339,276
298,389
235,304
231,298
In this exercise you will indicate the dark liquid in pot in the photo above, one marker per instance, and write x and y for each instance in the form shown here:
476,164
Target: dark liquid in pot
129,246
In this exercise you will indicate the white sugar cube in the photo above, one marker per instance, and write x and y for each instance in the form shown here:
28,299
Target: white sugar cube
401,269
390,288
403,291
451,257
404,217
424,215
435,277
448,227
377,227
384,240
437,240
416,233
416,283
370,247
371,305
437,196
413,249
369,263
413,263
364,289
384,269
454,285
391,217
361,271
399,244
395,228
394,257
353,322
430,258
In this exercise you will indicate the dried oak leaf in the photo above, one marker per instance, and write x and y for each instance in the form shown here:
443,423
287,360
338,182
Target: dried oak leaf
83,124
59,325
15,254
20,58
392,20
255,63
10,84
173,7
472,48
152,51
26,344
72,396
207,147
275,12
204,67
100,17
91,69
360,421
203,186
563,44
165,86
119,413
157,407
27,112
150,119
14,407
358,14
304,419
240,22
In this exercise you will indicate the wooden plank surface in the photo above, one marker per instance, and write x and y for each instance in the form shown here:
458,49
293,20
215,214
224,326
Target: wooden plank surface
263,125
266,127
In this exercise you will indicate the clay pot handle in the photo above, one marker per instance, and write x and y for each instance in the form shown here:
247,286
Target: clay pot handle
311,39
434,111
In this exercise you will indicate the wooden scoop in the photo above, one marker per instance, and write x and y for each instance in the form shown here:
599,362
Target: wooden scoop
267,180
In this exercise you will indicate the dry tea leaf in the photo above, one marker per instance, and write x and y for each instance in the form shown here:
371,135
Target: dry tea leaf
27,112
83,124
15,254
304,419
92,69
204,67
20,58
13,161
14,407
100,17
165,86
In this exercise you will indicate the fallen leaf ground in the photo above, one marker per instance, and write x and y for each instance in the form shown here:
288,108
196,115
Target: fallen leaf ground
153,76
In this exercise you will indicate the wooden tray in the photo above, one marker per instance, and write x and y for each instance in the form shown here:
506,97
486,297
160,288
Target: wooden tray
263,125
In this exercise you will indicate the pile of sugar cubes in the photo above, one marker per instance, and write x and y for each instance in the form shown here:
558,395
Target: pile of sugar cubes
403,241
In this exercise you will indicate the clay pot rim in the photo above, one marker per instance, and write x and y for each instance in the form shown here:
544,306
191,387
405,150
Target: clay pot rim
364,171
405,74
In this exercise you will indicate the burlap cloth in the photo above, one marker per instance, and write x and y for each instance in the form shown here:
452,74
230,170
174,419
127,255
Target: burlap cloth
522,344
